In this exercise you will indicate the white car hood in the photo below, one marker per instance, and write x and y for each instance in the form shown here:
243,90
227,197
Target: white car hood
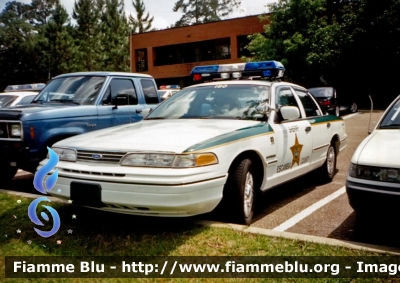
157,135
381,149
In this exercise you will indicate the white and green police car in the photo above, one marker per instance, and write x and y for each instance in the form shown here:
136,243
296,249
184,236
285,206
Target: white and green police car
210,143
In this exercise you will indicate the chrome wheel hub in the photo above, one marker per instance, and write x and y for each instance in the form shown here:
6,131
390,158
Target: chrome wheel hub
248,194
330,160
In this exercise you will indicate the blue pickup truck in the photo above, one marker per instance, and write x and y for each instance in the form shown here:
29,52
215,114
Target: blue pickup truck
70,104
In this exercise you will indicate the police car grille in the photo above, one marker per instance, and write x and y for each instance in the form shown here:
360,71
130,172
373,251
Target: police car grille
93,173
100,156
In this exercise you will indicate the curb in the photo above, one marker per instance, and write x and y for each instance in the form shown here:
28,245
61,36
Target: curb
266,232
302,237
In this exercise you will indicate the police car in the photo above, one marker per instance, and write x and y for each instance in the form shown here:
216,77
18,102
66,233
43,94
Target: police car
166,91
19,94
210,144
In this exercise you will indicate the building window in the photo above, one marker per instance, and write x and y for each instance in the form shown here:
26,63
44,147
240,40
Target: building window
141,60
243,41
208,50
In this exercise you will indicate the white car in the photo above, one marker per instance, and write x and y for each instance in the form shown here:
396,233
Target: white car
8,99
226,140
166,91
373,182
19,94
165,94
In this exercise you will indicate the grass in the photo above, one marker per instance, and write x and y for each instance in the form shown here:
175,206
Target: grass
96,233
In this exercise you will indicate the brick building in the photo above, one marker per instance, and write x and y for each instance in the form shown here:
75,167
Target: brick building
169,55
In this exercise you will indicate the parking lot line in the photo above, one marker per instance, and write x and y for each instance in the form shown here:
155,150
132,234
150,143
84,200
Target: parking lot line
350,115
306,212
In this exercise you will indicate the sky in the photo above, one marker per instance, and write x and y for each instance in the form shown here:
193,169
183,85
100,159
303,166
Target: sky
162,9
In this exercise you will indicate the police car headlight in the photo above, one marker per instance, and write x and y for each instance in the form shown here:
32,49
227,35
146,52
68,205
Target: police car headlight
16,130
168,160
65,154
375,173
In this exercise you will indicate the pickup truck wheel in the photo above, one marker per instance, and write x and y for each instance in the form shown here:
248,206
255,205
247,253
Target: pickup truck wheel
328,169
242,190
7,172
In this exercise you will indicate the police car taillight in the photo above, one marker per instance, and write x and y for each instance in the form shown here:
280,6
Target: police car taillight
263,69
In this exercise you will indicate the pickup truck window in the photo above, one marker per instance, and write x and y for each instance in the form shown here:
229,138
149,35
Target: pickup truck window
149,91
120,92
75,90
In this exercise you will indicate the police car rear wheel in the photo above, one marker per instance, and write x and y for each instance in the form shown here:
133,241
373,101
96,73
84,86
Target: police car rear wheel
243,191
329,167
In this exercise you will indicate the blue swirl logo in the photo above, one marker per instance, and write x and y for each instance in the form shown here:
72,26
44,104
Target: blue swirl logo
38,182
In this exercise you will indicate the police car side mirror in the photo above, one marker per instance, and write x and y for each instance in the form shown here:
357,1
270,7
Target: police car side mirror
290,112
146,112
263,108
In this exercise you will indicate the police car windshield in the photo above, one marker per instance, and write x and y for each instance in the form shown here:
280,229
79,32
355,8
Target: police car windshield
75,90
222,101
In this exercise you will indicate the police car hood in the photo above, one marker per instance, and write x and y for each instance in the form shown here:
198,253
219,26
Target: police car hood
156,135
381,148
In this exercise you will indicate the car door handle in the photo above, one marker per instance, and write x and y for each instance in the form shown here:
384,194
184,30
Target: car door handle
308,129
328,125
138,110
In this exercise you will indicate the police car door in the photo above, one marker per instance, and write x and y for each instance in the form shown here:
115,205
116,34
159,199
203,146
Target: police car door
322,130
293,139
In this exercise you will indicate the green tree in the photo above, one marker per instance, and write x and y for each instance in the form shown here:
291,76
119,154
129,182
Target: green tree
40,11
86,14
115,37
57,44
141,23
372,50
300,36
17,46
203,11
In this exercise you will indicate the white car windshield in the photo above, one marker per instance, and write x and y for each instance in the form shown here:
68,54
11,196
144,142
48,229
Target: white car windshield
392,118
222,101
6,100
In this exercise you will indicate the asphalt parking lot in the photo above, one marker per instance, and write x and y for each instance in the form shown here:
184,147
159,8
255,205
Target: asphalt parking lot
307,205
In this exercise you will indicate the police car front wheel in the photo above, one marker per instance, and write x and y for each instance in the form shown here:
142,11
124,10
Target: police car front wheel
242,182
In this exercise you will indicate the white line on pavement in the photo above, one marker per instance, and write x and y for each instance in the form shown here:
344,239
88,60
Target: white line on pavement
306,212
351,115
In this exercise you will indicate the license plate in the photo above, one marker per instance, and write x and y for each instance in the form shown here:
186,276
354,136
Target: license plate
86,194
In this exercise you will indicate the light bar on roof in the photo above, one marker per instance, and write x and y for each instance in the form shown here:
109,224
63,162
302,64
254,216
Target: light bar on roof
25,87
264,65
268,69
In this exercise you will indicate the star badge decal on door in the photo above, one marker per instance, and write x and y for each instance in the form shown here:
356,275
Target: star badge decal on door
296,150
